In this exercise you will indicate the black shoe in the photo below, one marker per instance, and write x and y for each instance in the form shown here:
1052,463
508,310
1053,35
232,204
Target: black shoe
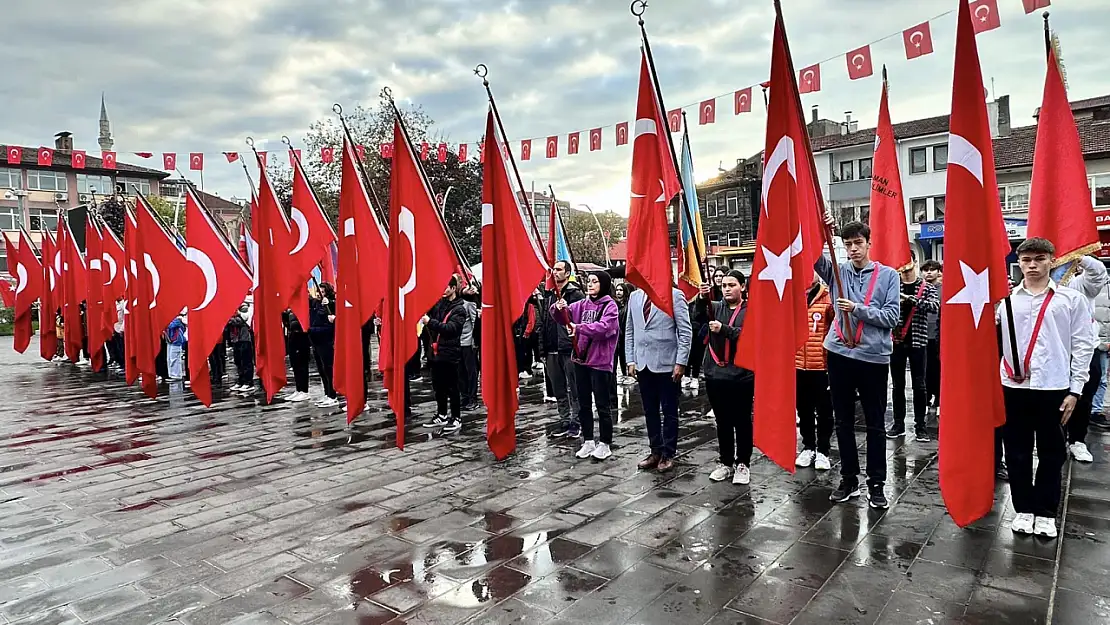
1101,423
1002,473
454,425
559,431
845,491
895,432
876,498
921,434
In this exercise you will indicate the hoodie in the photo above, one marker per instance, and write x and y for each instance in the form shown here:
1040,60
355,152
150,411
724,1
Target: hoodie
554,338
597,323
878,316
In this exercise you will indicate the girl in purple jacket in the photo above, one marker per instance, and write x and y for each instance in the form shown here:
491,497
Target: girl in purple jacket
594,325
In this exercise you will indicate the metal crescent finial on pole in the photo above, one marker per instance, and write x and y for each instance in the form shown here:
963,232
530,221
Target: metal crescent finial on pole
481,71
337,109
638,7
285,140
388,94
250,142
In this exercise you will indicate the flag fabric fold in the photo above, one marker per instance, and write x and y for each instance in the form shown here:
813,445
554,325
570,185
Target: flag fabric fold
74,288
507,245
691,240
27,270
48,308
311,239
975,250
99,332
271,234
890,240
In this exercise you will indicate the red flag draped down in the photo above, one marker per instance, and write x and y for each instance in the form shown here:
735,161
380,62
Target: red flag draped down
27,270
74,289
271,232
99,332
787,245
360,283
975,249
1059,199
311,234
416,277
226,283
134,314
48,310
890,241
7,291
551,248
114,270
654,183
506,245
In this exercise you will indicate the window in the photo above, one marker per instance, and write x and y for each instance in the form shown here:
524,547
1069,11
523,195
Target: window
938,208
1014,197
714,240
732,206
131,185
711,208
734,239
846,171
1002,197
11,179
917,161
864,168
670,214
919,210
1100,188
4,264
847,214
101,185
42,220
9,221
46,181
865,213
940,157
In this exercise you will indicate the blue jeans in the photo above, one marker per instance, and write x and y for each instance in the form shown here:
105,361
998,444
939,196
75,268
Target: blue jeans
1100,394
174,361
659,392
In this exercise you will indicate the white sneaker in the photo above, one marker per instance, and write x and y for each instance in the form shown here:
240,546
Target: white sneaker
298,397
685,382
1044,526
721,473
537,367
709,415
1080,452
821,462
805,458
1023,523
548,399
524,375
743,475
586,450
437,422
327,402
454,425
602,451
694,384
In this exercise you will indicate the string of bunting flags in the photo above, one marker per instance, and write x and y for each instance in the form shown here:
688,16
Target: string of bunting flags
917,41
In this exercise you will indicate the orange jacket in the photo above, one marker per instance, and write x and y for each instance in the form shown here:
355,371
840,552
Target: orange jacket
812,356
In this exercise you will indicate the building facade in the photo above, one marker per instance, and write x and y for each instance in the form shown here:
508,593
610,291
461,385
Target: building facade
229,212
729,208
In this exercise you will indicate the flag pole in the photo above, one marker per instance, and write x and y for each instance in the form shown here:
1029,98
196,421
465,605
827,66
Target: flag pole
300,165
559,216
700,250
376,205
482,71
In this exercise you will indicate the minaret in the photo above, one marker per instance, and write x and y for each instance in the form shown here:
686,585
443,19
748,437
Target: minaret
105,141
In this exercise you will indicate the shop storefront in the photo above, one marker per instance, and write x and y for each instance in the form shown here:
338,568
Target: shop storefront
931,237
1102,221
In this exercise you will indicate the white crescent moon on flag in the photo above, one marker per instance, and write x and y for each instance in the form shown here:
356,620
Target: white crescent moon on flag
861,58
21,278
302,229
204,263
406,224
743,99
985,14
808,75
110,263
916,37
783,154
155,279
708,110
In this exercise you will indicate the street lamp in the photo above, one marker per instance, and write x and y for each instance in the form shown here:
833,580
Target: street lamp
20,196
601,232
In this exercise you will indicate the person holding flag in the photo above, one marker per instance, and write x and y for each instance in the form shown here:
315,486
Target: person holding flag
557,348
444,324
919,300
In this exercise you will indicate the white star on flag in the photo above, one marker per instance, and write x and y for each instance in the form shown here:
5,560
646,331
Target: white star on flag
976,292
778,269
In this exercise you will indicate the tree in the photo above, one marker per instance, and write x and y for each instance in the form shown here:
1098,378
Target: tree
371,128
111,210
585,241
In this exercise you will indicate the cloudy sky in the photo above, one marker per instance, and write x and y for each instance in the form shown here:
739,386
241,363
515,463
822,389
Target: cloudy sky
200,75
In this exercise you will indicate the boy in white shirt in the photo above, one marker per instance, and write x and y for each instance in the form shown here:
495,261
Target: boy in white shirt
1045,364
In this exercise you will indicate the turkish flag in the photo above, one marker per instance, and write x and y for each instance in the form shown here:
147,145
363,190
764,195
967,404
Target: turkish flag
572,142
674,120
98,329
1033,5
462,152
975,250
231,156
890,241
225,283
144,154
167,262
742,101
74,289
48,309
15,155
7,291
985,15
788,242
196,161
424,151
595,139
46,157
809,79
622,133
1059,201
294,156
312,236
859,63
113,270
707,112
262,159
135,314
169,161
416,279
77,161
385,150
271,231
506,244
108,159
552,149
654,183
442,152
360,284
526,150
918,40
551,249
327,155
27,271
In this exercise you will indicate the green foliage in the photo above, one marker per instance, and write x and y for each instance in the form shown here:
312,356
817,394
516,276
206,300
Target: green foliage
584,239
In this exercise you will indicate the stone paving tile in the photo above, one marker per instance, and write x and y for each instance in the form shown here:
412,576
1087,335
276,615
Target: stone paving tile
118,510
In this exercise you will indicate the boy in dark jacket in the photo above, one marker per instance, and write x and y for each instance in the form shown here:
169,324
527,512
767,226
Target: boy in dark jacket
241,338
444,325
556,347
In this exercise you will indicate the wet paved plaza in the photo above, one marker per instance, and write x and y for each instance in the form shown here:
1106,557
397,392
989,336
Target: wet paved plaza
118,509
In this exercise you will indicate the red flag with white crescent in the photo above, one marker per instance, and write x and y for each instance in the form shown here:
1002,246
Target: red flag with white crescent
311,234
271,232
859,63
27,271
74,288
98,329
890,241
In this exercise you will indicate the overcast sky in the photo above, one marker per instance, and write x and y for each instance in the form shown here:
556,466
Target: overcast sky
200,75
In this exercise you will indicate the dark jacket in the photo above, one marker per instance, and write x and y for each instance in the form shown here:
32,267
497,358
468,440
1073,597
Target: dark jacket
554,338
318,317
723,343
444,327
238,330
291,322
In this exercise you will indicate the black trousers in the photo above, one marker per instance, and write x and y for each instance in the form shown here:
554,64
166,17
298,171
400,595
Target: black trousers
1033,417
904,352
323,347
468,375
300,354
115,349
815,413
847,377
932,370
1081,417
161,367
659,393
243,355
217,362
697,355
732,408
596,385
445,383
523,354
